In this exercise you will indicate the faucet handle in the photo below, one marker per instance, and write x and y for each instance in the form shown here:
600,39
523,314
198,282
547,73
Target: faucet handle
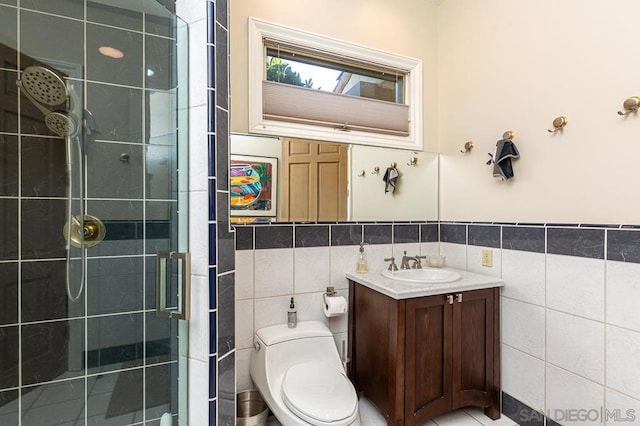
417,263
392,265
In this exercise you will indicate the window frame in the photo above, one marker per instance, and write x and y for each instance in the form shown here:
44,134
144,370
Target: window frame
260,30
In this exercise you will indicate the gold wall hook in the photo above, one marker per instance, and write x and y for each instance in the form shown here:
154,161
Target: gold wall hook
508,135
630,105
394,164
468,146
413,161
558,124
376,170
362,173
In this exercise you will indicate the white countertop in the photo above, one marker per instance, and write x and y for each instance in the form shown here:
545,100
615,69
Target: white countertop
406,290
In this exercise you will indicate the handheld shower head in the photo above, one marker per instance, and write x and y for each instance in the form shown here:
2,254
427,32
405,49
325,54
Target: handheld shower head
43,86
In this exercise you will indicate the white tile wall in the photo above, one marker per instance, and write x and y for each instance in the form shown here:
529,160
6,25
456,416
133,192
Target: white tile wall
524,276
575,285
622,409
558,351
623,361
474,261
576,344
523,326
623,294
273,272
311,269
523,377
567,391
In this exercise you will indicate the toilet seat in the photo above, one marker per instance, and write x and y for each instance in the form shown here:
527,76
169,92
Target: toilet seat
319,394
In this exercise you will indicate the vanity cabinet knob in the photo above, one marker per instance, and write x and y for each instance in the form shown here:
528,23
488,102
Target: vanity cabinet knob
450,299
459,297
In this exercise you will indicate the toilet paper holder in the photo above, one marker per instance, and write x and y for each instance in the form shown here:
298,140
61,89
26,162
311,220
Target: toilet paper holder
331,291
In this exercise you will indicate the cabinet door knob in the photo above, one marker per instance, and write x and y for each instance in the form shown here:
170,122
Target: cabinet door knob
450,299
459,297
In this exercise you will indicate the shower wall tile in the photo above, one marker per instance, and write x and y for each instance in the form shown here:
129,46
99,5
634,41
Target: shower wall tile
67,8
157,380
159,346
623,293
117,112
114,342
9,362
103,408
42,222
114,285
8,32
9,2
44,46
8,107
9,232
111,176
52,350
126,70
159,73
62,402
160,21
44,291
114,16
9,413
222,152
43,167
8,293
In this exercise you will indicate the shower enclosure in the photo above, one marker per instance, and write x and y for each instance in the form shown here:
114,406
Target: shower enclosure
93,208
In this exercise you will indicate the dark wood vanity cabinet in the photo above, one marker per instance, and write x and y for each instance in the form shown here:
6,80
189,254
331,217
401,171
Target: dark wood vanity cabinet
418,358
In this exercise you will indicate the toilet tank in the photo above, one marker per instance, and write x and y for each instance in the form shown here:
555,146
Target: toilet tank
278,347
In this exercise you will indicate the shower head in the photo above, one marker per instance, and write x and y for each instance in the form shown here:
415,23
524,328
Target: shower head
44,85
61,124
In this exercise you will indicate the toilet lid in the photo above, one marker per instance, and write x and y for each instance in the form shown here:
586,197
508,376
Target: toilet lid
318,393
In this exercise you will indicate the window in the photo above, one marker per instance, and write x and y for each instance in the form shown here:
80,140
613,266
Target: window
308,86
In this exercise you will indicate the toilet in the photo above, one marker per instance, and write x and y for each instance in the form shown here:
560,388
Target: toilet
299,374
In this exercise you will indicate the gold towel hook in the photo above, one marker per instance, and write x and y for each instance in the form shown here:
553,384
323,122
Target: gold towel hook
630,105
362,173
376,170
508,135
558,124
468,146
413,162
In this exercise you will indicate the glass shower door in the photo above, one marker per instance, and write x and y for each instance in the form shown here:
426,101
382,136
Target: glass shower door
92,187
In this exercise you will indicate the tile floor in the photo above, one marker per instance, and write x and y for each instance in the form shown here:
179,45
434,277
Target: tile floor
369,416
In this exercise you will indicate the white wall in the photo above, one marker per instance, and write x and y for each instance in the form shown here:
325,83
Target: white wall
403,27
416,195
518,65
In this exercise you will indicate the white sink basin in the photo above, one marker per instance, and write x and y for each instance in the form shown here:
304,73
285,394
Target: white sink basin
423,276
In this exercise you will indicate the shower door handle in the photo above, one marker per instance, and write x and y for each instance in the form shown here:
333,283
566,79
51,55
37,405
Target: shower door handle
182,303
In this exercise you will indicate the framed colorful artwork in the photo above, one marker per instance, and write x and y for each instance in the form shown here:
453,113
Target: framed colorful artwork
253,185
